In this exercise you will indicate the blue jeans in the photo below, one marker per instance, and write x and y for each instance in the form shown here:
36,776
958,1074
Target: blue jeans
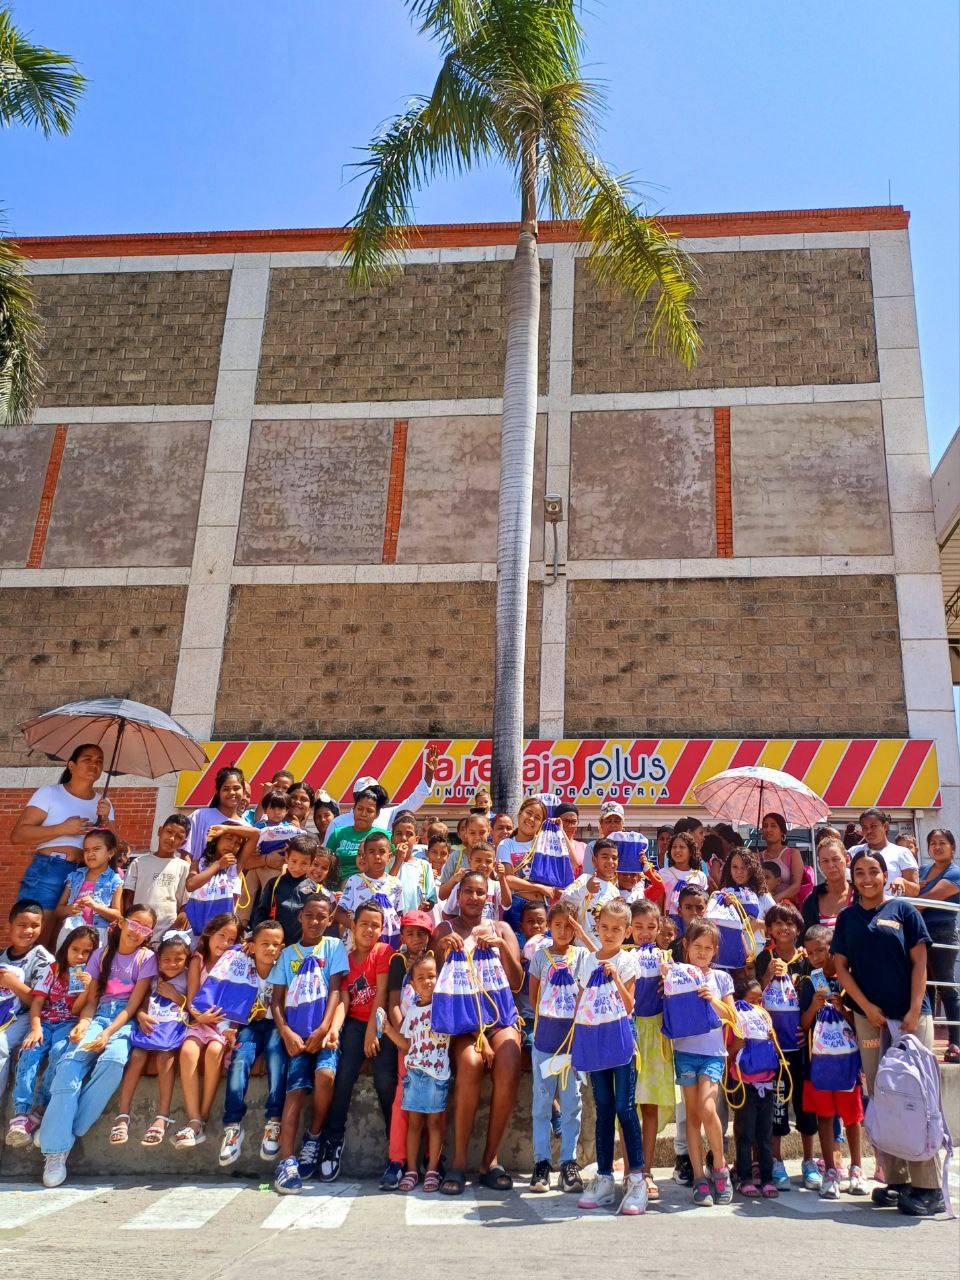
253,1040
544,1092
84,1083
383,1068
11,1038
50,1050
44,879
614,1094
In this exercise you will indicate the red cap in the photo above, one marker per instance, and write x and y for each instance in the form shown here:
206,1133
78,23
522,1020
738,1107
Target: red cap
416,920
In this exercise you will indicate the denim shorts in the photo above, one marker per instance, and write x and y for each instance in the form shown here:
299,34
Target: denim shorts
689,1067
426,1095
302,1068
44,879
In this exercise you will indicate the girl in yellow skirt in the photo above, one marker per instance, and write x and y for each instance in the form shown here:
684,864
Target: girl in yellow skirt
655,1076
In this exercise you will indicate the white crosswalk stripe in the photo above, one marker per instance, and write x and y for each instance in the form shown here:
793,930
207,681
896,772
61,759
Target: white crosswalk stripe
316,1207
183,1209
435,1210
20,1204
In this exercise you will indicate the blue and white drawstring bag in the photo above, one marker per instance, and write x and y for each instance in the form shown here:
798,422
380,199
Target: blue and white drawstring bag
834,1054
230,986
780,1001
602,1028
730,910
647,993
685,1012
170,1029
557,1006
307,995
631,851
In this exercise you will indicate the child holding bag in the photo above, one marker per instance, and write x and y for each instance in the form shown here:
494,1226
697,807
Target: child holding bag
778,968
160,1027
829,1103
656,1090
700,1061
603,1044
557,971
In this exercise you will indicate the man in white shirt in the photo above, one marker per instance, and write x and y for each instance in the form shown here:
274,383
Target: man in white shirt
385,817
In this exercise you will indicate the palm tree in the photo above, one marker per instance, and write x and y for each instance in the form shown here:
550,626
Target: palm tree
38,88
510,90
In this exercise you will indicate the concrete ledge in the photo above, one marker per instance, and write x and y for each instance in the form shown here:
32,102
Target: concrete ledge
364,1152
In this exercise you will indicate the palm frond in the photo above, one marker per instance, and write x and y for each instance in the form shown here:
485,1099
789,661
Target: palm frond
38,87
455,20
20,334
634,253
447,133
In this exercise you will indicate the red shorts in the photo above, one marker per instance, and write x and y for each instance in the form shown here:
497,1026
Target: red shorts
848,1106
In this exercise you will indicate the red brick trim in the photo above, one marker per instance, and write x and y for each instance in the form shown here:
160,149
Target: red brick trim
398,462
721,447
457,235
35,558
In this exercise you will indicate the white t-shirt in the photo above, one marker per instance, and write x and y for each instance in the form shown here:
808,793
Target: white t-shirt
709,1042
588,905
360,888
623,962
58,804
897,858
429,1050
159,883
673,881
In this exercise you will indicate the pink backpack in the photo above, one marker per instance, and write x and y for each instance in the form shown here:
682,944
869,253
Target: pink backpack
904,1115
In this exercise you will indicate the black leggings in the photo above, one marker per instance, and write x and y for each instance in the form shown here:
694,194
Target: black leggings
753,1127
942,967
792,1082
383,1068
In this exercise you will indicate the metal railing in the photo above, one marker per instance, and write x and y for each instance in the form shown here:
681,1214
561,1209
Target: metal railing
941,905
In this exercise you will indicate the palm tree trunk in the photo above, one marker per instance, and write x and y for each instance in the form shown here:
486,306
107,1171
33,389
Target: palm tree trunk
517,448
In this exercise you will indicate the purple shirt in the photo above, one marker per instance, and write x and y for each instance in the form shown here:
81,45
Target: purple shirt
125,972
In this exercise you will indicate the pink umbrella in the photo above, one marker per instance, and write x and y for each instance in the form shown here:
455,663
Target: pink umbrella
745,795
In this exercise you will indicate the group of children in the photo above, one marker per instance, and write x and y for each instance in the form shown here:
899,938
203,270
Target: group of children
254,949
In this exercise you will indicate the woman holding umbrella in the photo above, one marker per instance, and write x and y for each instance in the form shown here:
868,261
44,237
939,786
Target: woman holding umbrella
53,824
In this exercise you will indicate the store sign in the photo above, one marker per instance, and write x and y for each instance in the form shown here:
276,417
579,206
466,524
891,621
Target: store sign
899,773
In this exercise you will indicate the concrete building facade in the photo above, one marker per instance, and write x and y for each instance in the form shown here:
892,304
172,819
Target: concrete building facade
266,502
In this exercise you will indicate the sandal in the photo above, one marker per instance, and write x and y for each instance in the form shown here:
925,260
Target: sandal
191,1135
653,1191
408,1181
431,1181
120,1132
952,1054
496,1178
454,1183
749,1189
769,1191
157,1132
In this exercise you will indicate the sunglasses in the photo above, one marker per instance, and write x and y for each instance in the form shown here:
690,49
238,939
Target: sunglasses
142,930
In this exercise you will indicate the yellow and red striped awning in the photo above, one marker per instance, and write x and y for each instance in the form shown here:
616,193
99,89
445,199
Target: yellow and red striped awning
850,773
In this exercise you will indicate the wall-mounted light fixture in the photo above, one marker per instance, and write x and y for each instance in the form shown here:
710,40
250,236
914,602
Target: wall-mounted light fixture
553,514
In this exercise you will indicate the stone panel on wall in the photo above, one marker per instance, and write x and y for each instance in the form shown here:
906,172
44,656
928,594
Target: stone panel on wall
315,492
642,484
60,644
765,657
809,479
785,317
432,332
143,337
24,453
450,487
128,494
370,660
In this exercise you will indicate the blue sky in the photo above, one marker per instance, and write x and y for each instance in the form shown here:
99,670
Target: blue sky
232,114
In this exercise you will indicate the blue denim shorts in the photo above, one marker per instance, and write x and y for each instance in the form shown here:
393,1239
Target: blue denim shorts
44,879
302,1069
689,1067
426,1095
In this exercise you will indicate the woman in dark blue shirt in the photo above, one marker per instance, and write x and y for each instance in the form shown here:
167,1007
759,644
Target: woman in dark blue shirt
940,880
880,946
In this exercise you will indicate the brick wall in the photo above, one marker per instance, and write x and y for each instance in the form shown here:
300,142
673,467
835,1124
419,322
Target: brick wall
60,644
768,657
135,810
767,318
365,661
432,332
145,337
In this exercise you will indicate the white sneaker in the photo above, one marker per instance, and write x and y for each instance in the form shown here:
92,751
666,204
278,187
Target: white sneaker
830,1189
270,1146
231,1146
601,1190
635,1195
55,1169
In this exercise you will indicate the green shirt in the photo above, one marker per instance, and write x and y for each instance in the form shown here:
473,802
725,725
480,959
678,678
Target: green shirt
345,842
